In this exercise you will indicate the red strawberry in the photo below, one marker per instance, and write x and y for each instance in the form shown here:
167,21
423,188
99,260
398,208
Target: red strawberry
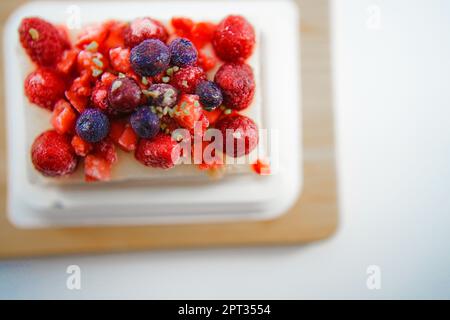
120,59
42,41
81,147
202,33
92,34
206,61
213,115
64,117
187,79
53,155
94,63
122,134
106,150
142,29
79,92
115,36
68,59
240,134
96,168
159,152
237,83
44,87
234,39
182,26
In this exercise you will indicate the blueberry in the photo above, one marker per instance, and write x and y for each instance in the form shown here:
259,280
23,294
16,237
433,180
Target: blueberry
210,95
145,123
150,57
162,95
182,52
124,95
92,125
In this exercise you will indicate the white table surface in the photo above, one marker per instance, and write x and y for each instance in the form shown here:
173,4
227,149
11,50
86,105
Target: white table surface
392,86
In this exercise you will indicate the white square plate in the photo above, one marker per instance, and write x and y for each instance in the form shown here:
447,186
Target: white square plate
236,197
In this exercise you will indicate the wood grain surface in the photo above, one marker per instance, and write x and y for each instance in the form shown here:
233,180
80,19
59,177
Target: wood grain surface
313,217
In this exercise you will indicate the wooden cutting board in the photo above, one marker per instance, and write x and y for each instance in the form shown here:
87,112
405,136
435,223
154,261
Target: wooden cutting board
314,216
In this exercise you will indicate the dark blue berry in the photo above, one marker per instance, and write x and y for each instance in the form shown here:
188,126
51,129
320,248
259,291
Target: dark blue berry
145,123
209,94
162,95
182,52
92,125
150,57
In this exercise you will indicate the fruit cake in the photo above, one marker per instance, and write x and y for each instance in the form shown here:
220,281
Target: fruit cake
136,99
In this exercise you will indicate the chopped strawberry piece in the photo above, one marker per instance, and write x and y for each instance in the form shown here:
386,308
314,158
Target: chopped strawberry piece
117,127
94,63
128,139
68,59
206,61
96,168
188,111
99,97
261,167
108,78
202,33
107,150
115,36
92,33
79,93
213,115
81,147
120,59
64,117
65,35
182,26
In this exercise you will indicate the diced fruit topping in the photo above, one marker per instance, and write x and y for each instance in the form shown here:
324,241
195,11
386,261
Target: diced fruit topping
79,92
64,117
42,41
210,95
207,61
234,39
187,79
237,83
124,95
128,139
150,57
162,95
261,167
115,36
240,134
159,152
53,155
92,125
142,29
182,52
182,26
92,36
145,123
188,111
106,150
81,147
120,59
96,168
44,87
202,33
67,62
94,63
213,115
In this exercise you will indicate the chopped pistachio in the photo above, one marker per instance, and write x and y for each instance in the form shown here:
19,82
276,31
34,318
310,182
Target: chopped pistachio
169,72
183,105
186,112
93,46
98,62
34,34
165,110
116,85
228,111
96,72
167,131
196,103
121,75
163,126
159,109
184,83
175,68
153,109
165,79
144,81
222,108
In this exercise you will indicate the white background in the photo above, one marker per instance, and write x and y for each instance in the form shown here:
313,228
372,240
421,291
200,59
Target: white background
392,90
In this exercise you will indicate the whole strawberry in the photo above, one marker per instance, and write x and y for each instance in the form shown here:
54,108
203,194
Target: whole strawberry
42,41
240,134
234,39
237,83
53,155
44,87
159,152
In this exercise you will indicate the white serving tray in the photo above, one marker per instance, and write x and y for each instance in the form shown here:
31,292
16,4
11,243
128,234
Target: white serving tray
180,200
